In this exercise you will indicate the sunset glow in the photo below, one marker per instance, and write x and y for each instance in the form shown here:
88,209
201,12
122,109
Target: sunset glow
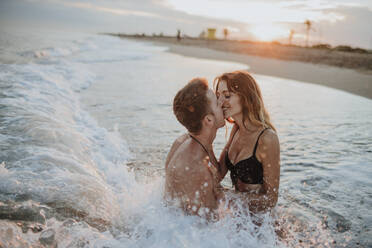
259,12
267,21
267,32
338,22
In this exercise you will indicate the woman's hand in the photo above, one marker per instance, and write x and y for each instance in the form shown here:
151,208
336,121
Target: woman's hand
222,166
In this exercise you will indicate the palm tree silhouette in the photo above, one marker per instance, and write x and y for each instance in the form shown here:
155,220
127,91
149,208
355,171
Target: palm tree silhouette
291,33
309,27
225,33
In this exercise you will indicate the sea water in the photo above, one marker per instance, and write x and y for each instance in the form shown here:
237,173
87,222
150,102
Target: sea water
85,126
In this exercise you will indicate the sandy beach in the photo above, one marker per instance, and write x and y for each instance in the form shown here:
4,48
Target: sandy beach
355,81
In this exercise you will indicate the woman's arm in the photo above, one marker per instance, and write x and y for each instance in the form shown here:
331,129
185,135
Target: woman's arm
222,165
268,153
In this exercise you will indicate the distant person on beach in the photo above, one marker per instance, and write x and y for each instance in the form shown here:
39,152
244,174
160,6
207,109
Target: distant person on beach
191,166
178,35
252,154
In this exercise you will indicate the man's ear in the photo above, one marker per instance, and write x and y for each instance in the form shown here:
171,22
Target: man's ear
208,119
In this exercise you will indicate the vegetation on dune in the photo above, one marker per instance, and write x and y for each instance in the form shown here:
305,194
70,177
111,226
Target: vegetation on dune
341,56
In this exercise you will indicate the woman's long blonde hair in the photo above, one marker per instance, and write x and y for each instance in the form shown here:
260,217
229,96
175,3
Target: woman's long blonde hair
244,85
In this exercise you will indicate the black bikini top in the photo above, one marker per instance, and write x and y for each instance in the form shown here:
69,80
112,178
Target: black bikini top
248,170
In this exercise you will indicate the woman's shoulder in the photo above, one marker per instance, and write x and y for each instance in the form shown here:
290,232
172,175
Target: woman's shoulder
269,137
268,145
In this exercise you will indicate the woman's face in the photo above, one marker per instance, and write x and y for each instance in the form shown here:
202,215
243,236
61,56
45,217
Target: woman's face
230,101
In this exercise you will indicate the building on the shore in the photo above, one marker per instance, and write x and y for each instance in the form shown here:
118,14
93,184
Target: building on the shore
211,33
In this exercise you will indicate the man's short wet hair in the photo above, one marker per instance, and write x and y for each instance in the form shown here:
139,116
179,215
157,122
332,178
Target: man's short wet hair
191,105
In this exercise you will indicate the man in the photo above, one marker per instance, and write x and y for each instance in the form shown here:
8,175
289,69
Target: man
191,167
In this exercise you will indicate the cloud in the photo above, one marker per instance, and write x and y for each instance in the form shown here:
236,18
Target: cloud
354,29
115,11
351,26
143,16
340,23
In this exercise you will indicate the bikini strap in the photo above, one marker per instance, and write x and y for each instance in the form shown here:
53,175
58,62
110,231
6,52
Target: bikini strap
255,146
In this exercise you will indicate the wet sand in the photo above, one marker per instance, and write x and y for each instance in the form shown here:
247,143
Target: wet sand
348,80
358,82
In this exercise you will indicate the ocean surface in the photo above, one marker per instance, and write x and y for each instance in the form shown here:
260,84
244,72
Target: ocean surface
85,126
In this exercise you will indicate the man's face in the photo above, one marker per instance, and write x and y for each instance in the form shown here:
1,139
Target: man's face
216,109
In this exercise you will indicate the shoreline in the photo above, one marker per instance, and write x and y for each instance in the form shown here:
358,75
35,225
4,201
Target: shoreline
349,80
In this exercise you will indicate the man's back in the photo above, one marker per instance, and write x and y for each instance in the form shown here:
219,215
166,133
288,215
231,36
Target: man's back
189,181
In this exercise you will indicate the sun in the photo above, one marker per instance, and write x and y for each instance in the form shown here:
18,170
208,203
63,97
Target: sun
268,32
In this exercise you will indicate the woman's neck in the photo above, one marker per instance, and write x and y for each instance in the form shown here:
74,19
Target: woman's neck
244,126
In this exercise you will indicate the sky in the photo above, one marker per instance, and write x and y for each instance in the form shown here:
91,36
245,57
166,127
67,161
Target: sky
336,22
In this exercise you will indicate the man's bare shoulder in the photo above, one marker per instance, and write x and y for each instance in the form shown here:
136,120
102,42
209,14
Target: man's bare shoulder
178,142
182,138
188,159
175,146
190,166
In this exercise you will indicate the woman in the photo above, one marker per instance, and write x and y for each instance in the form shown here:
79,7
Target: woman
252,153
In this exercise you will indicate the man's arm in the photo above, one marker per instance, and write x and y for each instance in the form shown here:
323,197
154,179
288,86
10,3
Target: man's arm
198,188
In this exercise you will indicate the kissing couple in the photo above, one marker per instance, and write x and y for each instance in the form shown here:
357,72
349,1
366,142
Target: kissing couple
251,154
